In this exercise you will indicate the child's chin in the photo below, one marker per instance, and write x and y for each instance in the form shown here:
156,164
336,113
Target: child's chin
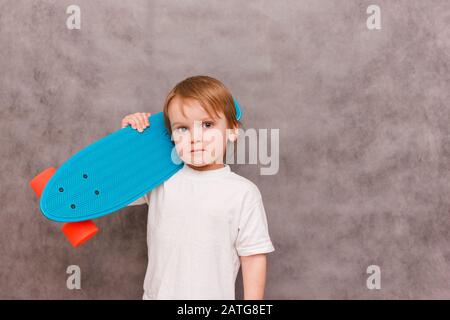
198,162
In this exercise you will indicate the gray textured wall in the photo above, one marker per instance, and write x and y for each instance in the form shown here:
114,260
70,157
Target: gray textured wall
364,134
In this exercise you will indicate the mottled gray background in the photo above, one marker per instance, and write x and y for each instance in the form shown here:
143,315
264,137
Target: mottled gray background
364,135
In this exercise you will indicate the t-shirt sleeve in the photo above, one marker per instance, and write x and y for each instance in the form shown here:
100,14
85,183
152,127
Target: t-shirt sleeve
253,233
142,200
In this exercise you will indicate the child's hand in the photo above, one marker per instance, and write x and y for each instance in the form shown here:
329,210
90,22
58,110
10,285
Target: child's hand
137,120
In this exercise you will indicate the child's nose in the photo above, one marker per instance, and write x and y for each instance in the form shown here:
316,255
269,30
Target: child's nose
197,134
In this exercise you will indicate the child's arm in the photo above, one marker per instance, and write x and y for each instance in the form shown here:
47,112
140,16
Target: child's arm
254,276
253,244
141,200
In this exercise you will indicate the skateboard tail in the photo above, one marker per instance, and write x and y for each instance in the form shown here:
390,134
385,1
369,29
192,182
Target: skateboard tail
76,232
39,182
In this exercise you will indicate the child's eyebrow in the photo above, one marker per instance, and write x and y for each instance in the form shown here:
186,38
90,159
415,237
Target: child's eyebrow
204,119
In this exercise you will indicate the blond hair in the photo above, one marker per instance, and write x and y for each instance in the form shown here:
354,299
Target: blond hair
212,95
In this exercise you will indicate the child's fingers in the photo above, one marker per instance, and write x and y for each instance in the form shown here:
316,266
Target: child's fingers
143,121
138,120
147,117
132,121
124,122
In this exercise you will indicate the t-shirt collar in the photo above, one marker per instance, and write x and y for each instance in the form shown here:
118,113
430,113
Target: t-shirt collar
188,171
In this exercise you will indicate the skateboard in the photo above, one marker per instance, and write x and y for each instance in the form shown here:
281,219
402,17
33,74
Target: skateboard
106,176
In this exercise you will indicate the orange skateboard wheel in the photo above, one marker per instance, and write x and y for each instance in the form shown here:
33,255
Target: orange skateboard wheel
39,182
79,232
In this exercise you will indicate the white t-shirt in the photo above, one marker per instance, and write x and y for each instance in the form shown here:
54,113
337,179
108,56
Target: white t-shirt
199,223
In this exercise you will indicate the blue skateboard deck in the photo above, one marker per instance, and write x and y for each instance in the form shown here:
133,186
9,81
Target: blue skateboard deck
111,173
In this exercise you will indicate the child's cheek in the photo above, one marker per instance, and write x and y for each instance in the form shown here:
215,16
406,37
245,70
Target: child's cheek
214,141
182,144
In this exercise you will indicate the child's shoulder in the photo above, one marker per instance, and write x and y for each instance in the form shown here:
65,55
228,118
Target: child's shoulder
244,185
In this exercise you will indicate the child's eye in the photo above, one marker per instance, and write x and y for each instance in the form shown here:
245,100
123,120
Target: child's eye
208,124
181,129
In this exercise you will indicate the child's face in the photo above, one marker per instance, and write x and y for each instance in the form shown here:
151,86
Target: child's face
199,139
